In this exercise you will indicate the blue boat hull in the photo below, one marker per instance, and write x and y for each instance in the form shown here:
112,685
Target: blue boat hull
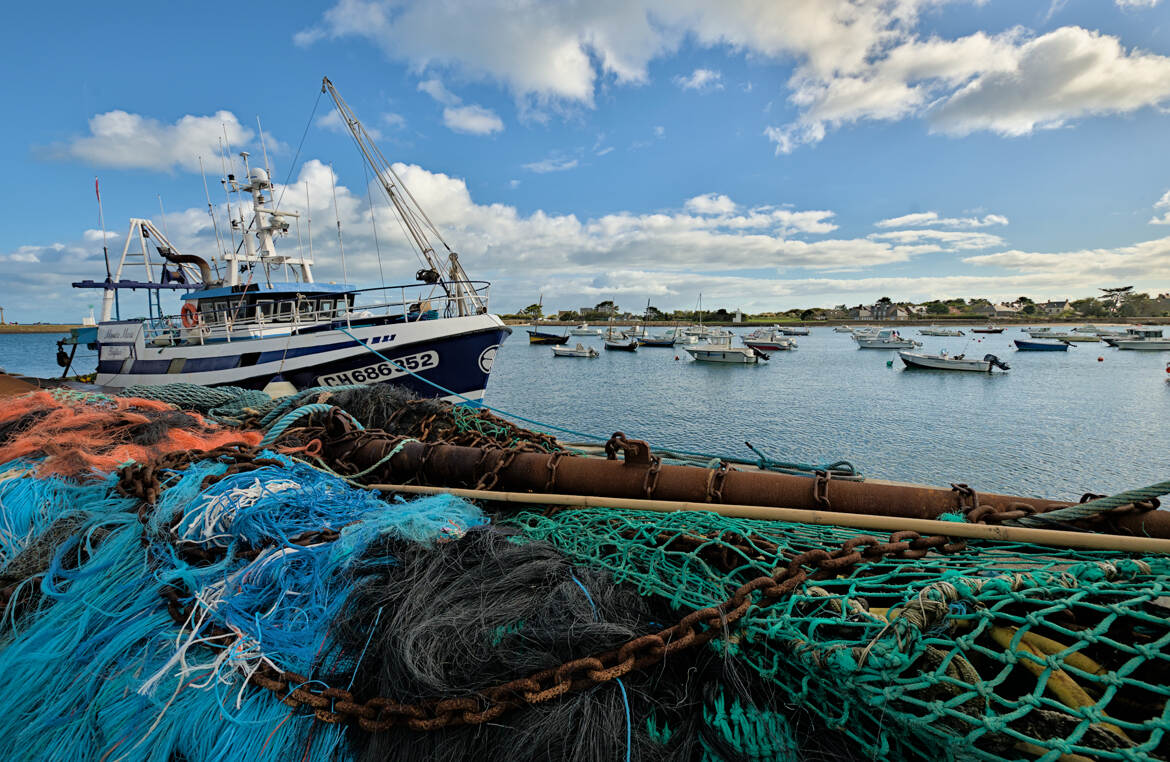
1040,346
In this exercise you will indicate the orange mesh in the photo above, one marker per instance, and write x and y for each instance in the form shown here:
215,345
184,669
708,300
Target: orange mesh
89,439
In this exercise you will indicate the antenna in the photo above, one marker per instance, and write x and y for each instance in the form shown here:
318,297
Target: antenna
214,223
309,218
102,222
163,214
264,148
337,215
227,177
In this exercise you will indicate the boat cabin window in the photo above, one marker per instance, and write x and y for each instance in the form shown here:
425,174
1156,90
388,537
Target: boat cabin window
264,310
307,307
284,312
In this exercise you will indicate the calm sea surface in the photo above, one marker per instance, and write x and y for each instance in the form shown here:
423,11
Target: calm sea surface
1057,425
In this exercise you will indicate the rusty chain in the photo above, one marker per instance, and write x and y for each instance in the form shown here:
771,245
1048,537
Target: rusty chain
378,714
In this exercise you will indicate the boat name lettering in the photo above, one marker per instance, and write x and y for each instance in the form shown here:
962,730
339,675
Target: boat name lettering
113,333
383,371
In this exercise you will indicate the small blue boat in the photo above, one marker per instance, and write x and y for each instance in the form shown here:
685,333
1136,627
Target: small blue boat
1041,346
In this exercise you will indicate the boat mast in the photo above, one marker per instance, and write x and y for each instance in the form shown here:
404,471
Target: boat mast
268,221
418,226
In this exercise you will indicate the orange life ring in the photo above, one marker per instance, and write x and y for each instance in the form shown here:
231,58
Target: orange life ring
189,315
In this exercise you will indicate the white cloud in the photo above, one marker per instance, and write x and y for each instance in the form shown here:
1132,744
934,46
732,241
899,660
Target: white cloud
855,59
919,219
701,79
1126,4
434,88
393,120
551,164
123,140
1162,203
470,119
1148,261
1065,74
711,203
659,131
473,120
954,239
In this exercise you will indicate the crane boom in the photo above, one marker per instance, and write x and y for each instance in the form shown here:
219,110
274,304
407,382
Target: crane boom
423,234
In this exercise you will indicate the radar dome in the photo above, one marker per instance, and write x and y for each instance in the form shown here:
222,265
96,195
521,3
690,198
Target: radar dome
258,175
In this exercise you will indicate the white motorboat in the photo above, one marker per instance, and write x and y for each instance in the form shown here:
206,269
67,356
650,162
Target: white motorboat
1102,331
722,351
578,351
793,330
769,341
1049,332
843,329
585,330
936,330
1140,333
886,338
1147,344
943,361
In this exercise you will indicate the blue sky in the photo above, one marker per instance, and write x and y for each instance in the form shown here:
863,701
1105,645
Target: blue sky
768,154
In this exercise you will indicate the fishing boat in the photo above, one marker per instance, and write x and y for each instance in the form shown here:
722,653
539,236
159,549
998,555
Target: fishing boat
793,330
988,329
886,338
721,351
769,341
622,346
943,361
241,325
585,330
1041,345
578,351
935,330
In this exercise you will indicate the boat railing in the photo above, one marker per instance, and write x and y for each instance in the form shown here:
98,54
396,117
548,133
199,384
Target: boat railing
282,316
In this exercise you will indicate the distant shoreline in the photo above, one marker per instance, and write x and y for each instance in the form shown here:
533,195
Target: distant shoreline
39,328
958,322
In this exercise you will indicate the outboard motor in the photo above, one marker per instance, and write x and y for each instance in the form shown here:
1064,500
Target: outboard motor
996,362
759,354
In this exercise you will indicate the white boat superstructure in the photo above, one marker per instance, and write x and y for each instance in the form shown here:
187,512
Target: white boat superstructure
585,330
1147,339
936,330
843,329
886,338
578,351
944,361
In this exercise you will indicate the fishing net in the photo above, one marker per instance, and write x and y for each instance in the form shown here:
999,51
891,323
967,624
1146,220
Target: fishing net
217,600
83,435
999,650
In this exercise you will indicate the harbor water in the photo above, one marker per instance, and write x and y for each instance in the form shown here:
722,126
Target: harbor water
1058,424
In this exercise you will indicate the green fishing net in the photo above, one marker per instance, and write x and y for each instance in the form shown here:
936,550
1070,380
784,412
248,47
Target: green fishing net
998,651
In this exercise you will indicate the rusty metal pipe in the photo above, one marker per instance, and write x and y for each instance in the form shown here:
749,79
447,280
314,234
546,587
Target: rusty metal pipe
639,478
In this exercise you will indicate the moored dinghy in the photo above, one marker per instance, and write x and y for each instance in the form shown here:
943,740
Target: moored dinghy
943,361
578,351
1025,345
886,338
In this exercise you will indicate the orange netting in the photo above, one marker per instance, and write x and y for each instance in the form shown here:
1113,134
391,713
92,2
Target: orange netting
80,438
